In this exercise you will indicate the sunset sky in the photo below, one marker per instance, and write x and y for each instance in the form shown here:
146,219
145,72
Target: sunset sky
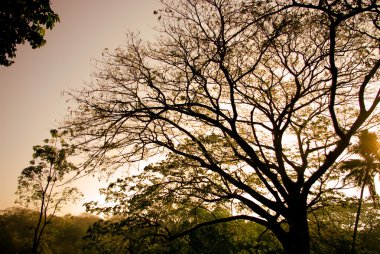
31,89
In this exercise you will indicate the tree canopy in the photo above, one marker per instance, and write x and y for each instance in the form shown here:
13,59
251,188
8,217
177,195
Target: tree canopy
22,21
253,101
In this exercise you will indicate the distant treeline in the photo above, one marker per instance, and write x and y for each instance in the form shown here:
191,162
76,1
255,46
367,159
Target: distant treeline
63,235
330,233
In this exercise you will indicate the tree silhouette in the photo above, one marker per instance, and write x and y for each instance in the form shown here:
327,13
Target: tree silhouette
42,183
259,97
363,171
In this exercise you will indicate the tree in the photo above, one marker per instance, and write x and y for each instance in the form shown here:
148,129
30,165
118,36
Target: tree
363,171
42,183
22,21
284,84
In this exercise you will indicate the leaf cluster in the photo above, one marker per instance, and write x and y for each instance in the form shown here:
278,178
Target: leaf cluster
22,21
42,183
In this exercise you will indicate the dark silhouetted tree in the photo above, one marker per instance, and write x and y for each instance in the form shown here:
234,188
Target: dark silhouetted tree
42,184
363,171
282,87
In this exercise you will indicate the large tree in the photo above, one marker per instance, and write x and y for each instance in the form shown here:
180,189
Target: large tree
285,85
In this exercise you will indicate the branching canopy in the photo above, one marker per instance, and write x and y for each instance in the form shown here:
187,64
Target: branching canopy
284,84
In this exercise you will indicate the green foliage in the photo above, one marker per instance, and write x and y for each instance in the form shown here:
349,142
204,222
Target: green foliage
331,229
368,235
22,21
16,230
330,234
121,235
64,236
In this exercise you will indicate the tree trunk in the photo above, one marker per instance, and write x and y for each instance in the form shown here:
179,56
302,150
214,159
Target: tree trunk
36,238
298,239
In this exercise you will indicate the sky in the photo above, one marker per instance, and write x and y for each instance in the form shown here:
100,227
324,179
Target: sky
31,101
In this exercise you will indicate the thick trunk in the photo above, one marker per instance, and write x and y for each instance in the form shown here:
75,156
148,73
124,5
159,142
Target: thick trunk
298,238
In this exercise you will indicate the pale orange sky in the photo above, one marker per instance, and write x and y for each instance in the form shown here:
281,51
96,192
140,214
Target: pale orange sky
30,90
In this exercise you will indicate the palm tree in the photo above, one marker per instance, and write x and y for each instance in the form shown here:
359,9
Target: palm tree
362,171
